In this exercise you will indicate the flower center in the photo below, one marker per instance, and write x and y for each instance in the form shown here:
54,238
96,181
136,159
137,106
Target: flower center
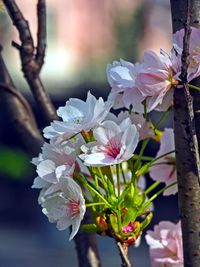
172,81
78,120
112,151
74,207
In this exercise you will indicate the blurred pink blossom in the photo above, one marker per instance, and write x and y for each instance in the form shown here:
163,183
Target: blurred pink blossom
165,242
194,50
165,170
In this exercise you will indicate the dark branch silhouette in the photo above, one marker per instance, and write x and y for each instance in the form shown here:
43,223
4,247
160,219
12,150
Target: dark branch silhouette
20,112
32,61
41,33
187,136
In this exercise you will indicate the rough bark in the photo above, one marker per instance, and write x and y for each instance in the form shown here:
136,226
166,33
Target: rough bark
20,112
31,58
185,129
86,246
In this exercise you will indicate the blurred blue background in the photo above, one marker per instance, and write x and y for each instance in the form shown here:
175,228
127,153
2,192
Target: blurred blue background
83,37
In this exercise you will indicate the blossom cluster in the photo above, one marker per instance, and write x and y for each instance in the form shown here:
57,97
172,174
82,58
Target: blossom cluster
153,80
95,159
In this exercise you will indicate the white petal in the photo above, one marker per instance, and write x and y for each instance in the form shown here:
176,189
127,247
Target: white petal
45,169
75,227
39,183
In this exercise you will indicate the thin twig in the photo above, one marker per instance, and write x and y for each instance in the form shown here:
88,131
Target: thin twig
41,33
123,251
30,66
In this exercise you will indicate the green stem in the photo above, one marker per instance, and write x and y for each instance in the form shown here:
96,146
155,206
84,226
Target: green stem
123,175
160,192
193,87
144,144
145,158
94,204
102,177
119,221
118,180
95,191
162,118
149,189
163,155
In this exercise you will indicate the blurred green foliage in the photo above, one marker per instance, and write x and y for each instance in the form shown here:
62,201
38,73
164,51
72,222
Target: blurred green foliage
14,163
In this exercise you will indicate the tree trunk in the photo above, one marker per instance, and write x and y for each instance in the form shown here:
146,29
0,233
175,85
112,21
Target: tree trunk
188,185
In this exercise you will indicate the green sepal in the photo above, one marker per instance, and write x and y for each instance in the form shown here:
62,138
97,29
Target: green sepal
113,222
139,199
144,169
147,221
107,172
128,196
130,216
90,228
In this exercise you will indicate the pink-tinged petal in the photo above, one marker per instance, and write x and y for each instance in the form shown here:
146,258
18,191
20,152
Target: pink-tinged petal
166,102
152,60
165,244
106,132
165,171
133,96
98,159
66,207
116,99
114,144
151,84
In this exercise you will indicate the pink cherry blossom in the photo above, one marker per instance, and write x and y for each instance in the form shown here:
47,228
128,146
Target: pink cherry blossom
156,79
114,144
78,116
165,244
194,51
142,125
67,207
165,170
121,77
56,160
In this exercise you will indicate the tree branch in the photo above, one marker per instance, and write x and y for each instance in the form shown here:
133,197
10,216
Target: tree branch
31,63
19,111
41,34
86,246
123,251
186,123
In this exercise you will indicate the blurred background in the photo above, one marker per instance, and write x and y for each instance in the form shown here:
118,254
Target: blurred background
83,37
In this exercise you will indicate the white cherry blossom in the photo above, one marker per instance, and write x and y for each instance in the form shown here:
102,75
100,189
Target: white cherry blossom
78,116
66,208
114,144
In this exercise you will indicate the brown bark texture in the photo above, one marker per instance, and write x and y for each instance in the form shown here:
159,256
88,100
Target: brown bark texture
187,138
